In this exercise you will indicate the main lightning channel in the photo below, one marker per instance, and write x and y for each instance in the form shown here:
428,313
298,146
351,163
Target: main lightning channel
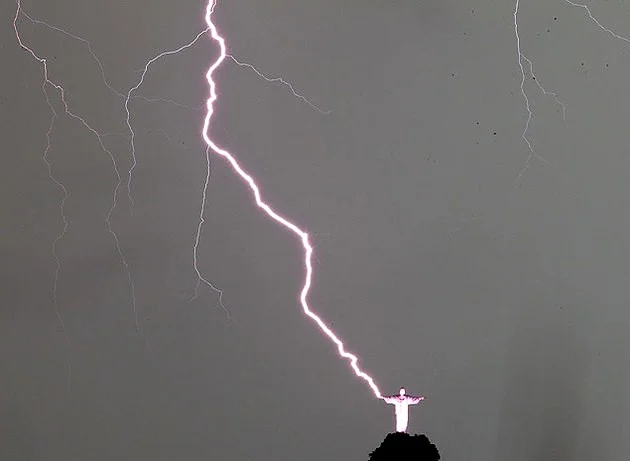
304,237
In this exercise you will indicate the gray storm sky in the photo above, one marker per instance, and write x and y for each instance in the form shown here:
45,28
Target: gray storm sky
492,281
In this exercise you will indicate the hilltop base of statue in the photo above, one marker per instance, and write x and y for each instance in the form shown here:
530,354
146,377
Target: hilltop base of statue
401,446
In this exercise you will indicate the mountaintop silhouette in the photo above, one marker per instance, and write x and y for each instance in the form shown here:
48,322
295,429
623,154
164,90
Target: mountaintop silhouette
400,446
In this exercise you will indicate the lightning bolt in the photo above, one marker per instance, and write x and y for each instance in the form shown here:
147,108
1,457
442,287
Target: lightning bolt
211,147
521,57
299,233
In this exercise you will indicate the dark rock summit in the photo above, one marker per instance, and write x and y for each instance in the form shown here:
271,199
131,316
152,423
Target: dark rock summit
400,446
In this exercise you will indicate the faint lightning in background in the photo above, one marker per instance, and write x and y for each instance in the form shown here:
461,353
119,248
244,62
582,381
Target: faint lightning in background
202,212
64,228
544,91
134,162
277,79
599,24
65,195
521,58
99,137
303,236
71,35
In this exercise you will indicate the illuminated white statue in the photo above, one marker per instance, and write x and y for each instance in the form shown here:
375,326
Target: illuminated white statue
401,403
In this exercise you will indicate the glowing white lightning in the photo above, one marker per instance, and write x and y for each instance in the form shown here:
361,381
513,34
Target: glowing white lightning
308,249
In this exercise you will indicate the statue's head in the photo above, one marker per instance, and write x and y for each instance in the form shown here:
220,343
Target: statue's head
402,391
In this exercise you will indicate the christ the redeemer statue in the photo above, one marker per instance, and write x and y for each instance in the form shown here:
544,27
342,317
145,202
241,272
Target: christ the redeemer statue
401,403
